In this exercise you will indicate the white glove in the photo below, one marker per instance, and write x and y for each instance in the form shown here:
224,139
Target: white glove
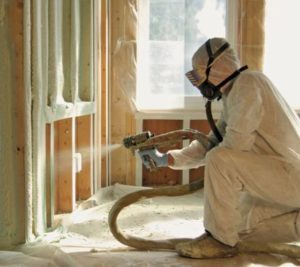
159,159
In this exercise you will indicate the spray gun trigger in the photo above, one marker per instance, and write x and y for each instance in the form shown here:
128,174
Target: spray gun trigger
149,162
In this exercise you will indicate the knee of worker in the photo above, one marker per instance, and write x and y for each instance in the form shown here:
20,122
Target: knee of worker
218,156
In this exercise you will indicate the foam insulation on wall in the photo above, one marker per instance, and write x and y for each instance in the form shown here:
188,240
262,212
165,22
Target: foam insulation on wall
12,222
46,74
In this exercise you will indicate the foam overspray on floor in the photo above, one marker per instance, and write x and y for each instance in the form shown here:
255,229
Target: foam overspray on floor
157,218
83,238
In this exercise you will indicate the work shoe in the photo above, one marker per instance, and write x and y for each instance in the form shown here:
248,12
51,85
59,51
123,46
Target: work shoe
205,247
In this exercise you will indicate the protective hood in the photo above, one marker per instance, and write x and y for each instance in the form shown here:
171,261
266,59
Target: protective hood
199,76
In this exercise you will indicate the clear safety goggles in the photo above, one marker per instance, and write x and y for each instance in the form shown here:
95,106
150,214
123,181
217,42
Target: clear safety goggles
196,77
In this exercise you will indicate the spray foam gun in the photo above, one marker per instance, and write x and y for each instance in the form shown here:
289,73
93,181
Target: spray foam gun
147,140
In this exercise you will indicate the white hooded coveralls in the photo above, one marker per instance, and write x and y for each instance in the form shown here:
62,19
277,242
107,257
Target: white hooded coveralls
252,178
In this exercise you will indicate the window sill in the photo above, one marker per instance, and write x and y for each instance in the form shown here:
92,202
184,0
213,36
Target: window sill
175,114
175,107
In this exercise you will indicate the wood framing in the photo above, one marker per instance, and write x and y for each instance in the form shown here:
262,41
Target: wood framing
122,68
103,180
251,15
50,185
85,147
64,170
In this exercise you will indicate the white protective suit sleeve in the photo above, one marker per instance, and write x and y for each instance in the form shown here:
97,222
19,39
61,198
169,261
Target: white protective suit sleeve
188,157
193,156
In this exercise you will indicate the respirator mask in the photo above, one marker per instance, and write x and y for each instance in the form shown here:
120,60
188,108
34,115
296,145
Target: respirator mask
207,88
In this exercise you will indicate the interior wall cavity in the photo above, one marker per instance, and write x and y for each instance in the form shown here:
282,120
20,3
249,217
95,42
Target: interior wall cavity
62,53
70,48
57,57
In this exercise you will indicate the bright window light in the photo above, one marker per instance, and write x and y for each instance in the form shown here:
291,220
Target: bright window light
170,31
282,53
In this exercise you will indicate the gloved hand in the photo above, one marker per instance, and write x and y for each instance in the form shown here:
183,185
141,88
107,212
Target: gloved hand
160,159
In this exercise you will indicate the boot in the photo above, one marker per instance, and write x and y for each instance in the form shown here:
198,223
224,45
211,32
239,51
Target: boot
205,247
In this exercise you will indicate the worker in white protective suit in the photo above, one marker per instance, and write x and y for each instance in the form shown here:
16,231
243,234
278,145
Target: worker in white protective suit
252,170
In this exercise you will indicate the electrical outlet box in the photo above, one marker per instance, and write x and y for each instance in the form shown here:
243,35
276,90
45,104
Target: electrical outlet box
77,162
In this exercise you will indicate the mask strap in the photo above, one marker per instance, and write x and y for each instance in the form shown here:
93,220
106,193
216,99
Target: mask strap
211,56
232,76
208,104
212,122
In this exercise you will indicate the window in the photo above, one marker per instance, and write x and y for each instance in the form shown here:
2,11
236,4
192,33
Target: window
170,31
282,42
